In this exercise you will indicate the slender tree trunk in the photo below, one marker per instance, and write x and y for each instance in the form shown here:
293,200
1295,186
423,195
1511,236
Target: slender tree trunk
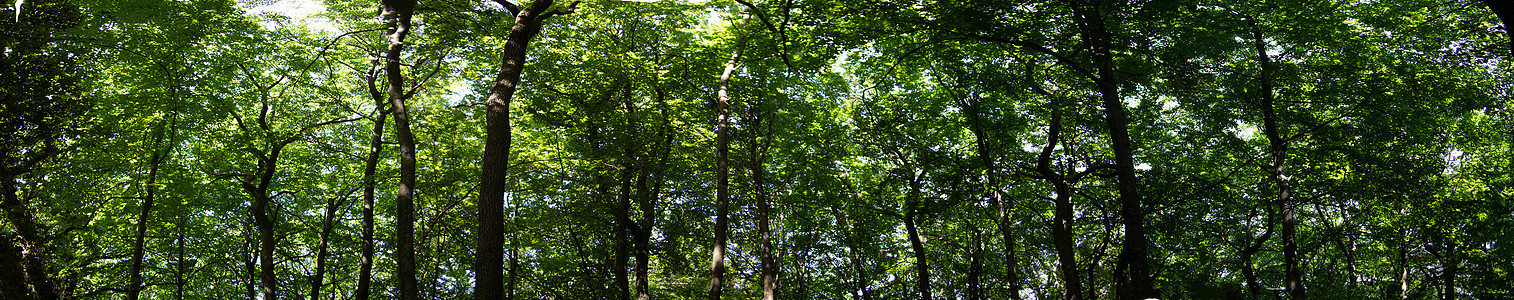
1062,215
144,213
722,168
266,242
398,14
757,154
1278,148
981,140
1403,271
649,201
370,182
250,263
179,292
317,280
860,280
1132,272
1450,265
489,255
623,224
975,264
922,265
261,201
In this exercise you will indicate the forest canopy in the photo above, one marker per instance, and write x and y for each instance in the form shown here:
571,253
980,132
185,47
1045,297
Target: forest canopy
773,149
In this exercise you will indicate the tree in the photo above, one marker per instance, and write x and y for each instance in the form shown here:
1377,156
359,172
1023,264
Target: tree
489,283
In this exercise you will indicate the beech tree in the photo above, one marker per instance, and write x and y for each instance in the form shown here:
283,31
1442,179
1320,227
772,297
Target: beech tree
775,149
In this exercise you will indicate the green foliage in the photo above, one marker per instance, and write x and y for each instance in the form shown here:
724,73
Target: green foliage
1396,116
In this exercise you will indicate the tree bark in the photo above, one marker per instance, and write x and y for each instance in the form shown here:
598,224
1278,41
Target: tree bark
12,273
398,13
975,264
489,255
757,153
27,238
261,200
1278,148
912,206
370,182
1062,215
722,167
1132,274
144,213
982,139
317,281
623,223
1450,265
649,200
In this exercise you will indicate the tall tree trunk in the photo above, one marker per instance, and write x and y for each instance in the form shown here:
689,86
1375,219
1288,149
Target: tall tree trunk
1278,148
250,263
860,280
982,139
974,263
321,252
489,255
649,200
1450,265
757,152
12,272
261,201
144,213
398,14
27,238
922,265
722,167
1062,215
266,242
1132,273
1403,271
370,182
179,266
623,223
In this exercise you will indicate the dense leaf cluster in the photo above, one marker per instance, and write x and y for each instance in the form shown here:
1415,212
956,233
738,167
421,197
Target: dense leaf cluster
826,149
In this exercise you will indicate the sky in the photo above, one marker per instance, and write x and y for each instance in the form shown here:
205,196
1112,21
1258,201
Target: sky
295,9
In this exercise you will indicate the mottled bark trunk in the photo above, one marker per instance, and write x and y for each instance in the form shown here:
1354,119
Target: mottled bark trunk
489,255
1278,150
756,153
722,168
1403,271
1132,273
144,212
12,274
370,182
1062,214
27,239
398,13
317,280
982,139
